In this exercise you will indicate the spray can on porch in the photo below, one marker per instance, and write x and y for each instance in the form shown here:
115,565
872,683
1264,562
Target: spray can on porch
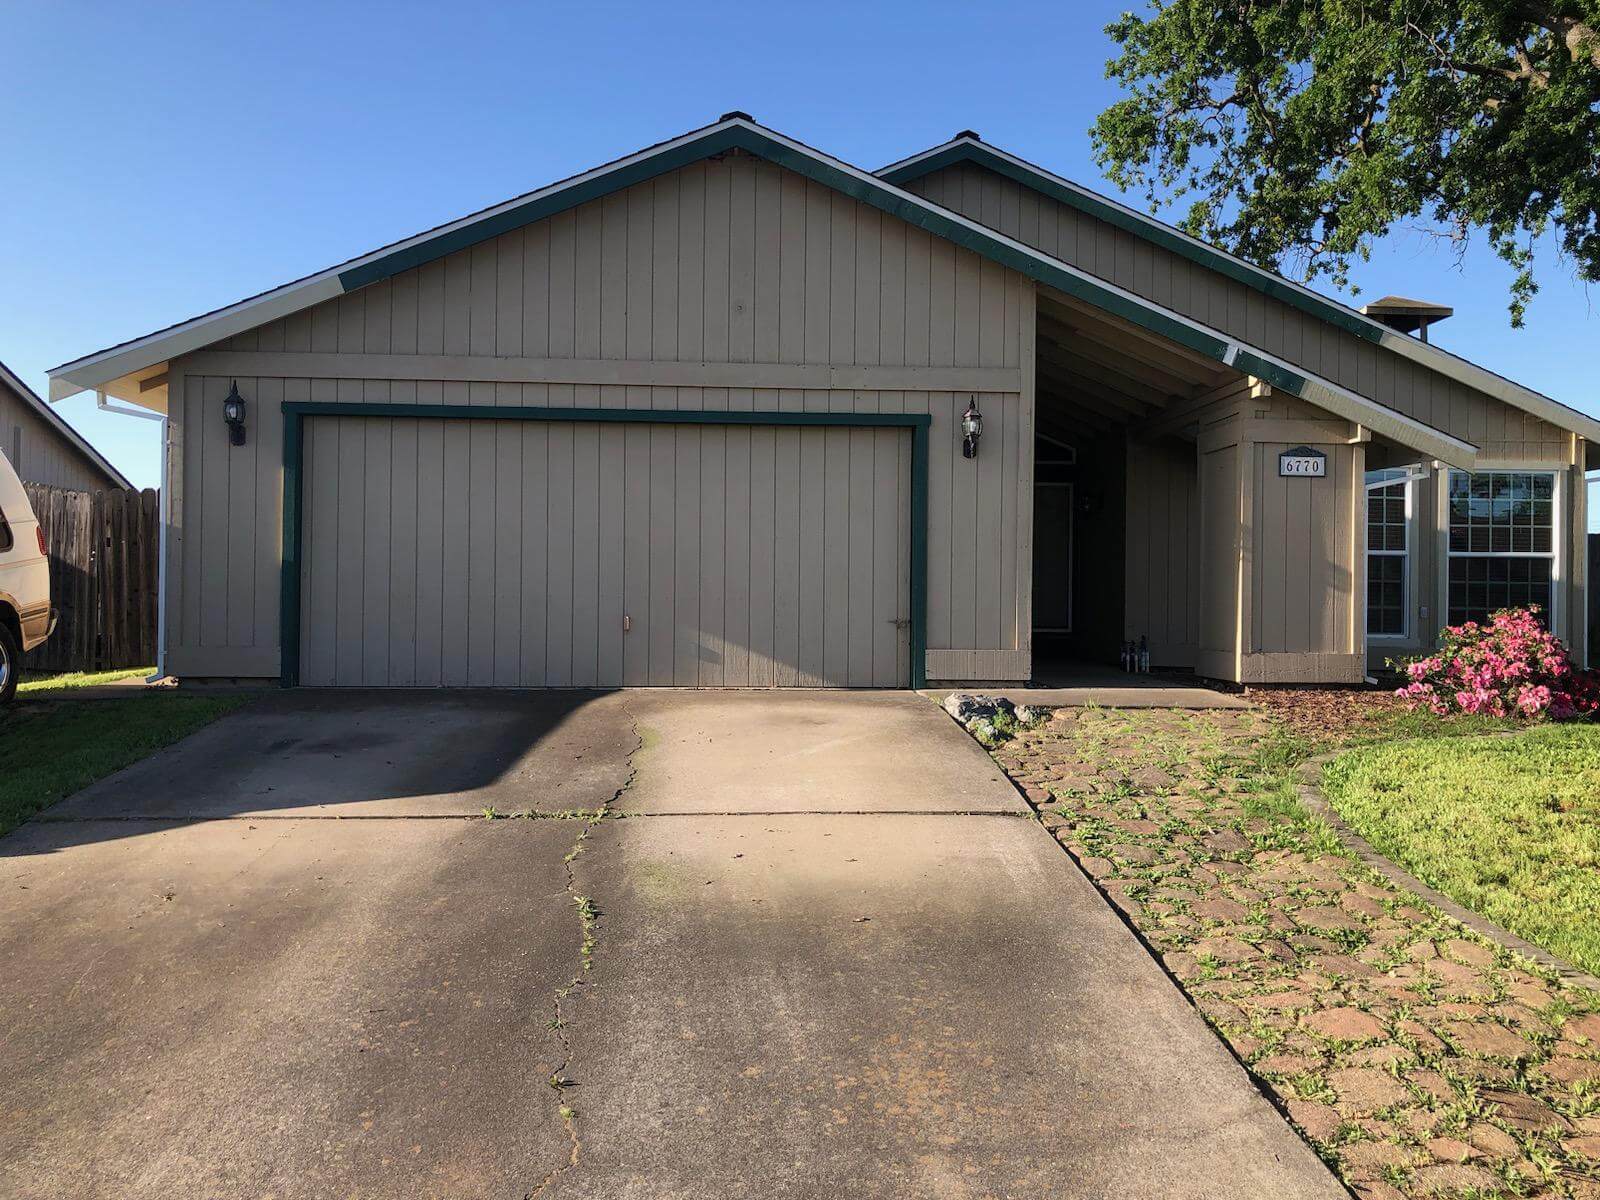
1144,655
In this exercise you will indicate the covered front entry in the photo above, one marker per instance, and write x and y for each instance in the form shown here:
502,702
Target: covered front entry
572,553
1116,549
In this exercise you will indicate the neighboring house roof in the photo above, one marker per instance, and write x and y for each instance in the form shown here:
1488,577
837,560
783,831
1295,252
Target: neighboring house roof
967,147
117,366
9,379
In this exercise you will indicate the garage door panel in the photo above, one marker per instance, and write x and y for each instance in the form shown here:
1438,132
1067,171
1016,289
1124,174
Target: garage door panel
509,481
687,646
714,563
533,534
587,631
610,508
427,583
456,611
737,566
377,550
636,554
350,572
405,541
558,565
510,553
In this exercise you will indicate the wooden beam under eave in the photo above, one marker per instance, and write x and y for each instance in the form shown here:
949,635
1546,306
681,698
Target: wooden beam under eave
1181,415
1075,312
1133,398
1110,366
1167,376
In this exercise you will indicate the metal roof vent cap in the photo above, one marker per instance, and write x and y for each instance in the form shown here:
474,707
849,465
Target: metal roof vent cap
1407,316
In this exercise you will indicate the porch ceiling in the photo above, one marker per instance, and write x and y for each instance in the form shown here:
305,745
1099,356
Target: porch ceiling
1099,373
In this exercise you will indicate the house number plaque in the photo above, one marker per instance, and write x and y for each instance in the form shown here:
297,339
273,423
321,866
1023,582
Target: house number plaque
1302,462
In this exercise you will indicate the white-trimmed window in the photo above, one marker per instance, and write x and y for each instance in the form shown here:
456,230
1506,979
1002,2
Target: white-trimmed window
1389,519
1502,542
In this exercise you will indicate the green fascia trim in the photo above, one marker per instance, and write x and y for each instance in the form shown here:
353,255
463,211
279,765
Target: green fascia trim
868,190
289,573
713,143
1278,376
1147,228
295,412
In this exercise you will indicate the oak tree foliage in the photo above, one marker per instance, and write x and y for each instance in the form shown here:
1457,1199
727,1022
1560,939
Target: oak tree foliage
1300,131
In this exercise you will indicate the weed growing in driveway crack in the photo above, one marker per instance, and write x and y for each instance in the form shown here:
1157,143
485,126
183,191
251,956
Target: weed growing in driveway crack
589,939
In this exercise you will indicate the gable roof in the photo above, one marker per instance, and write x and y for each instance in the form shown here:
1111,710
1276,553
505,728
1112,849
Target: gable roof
114,369
57,422
967,147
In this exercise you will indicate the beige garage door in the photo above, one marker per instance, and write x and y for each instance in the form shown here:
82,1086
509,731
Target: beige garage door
528,554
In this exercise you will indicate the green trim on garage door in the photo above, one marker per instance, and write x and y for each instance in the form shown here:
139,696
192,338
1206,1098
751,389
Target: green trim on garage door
295,412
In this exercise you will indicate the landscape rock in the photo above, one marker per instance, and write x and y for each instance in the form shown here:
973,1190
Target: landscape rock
967,707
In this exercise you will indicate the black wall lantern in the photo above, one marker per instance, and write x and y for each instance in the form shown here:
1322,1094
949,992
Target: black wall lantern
971,430
233,413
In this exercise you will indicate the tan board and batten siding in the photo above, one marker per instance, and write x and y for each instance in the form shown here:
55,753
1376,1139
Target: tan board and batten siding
1505,436
1163,555
40,453
795,299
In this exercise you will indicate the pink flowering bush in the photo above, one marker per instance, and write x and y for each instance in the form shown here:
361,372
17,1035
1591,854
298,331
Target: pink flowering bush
1508,666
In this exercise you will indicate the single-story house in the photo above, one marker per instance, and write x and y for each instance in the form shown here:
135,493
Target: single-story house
732,412
43,448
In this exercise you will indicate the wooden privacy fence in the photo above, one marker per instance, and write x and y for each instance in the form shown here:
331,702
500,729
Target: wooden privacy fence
104,552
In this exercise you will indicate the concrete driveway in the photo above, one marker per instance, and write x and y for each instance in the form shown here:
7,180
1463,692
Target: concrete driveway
831,957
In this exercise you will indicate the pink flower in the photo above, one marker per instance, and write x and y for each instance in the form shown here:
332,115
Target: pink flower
1507,665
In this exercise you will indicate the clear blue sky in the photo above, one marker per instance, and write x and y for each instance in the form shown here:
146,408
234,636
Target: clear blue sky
159,161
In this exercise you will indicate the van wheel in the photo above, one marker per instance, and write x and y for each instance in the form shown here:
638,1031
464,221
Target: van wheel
10,663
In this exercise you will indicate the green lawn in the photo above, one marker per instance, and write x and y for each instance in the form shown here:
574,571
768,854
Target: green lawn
32,685
1508,827
51,749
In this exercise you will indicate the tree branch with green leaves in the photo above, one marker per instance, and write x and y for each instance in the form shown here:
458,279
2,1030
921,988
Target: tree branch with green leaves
1298,133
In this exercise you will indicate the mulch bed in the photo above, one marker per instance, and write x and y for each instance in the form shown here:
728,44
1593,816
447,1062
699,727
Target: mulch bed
1418,1058
1314,712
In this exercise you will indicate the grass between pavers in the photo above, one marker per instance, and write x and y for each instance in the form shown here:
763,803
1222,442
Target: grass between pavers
1417,1058
1508,827
66,681
50,750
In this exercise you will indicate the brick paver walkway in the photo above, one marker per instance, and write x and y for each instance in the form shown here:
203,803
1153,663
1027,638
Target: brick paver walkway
1419,1059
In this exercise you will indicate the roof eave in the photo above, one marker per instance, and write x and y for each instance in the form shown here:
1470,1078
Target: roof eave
62,426
968,149
736,133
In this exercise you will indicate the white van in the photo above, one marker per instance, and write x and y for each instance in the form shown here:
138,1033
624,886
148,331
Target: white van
26,617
